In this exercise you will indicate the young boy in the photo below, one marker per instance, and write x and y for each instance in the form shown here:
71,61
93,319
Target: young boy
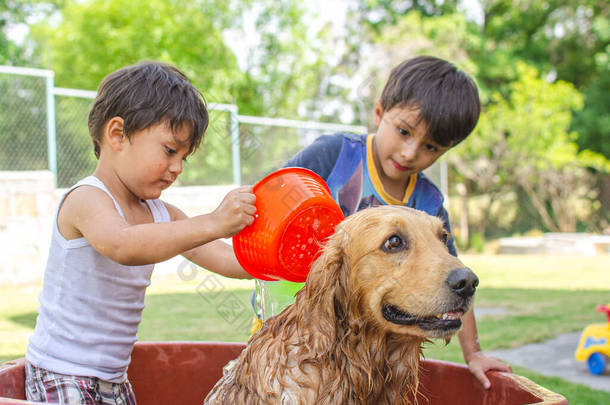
111,228
427,107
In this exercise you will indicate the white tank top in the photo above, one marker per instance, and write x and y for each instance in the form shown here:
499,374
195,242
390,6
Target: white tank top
90,306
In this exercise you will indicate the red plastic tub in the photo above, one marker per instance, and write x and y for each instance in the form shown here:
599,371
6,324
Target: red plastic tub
182,373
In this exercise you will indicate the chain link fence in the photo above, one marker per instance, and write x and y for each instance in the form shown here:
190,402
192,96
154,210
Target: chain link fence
23,123
267,143
45,127
75,157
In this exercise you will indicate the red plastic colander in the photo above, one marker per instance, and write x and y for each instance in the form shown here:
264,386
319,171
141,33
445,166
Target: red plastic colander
295,215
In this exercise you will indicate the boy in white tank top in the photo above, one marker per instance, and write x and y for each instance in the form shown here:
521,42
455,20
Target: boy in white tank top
111,228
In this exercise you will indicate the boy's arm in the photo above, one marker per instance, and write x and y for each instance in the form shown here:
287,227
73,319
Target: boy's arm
217,255
112,236
477,361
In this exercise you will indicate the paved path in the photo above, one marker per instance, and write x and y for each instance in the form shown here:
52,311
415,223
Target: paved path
555,358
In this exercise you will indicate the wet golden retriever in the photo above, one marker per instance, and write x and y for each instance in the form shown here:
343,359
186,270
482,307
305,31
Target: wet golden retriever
384,283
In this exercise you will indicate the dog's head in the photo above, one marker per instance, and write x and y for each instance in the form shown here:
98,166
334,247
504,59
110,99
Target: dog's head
390,266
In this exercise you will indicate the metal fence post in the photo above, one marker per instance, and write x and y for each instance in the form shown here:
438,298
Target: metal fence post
234,123
51,134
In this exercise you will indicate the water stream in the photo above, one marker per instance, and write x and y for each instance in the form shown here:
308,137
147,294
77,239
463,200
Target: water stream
273,296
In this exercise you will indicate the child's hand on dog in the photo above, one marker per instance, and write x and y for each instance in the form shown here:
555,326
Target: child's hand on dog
235,212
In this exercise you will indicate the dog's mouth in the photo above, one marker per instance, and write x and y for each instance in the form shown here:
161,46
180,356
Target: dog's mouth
446,321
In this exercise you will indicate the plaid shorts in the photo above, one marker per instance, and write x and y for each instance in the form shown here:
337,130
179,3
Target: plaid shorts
46,386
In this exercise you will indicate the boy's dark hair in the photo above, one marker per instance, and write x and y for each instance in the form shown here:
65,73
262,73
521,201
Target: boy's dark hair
146,94
447,97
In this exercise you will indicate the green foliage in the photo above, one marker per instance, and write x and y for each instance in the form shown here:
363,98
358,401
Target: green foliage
446,37
282,70
524,140
593,122
381,13
95,38
10,53
211,163
569,40
536,119
552,35
477,242
265,149
13,13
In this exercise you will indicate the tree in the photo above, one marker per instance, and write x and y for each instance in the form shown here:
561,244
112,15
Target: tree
563,40
529,144
19,12
285,60
282,60
96,37
567,40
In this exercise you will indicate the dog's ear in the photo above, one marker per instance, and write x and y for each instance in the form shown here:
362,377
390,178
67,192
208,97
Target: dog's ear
324,298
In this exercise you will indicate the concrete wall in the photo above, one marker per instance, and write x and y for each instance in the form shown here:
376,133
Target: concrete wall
28,201
557,244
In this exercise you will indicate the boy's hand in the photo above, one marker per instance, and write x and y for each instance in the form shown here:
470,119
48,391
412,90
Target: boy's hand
479,363
235,212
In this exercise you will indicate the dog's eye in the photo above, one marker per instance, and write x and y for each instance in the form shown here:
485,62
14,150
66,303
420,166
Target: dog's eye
444,237
394,244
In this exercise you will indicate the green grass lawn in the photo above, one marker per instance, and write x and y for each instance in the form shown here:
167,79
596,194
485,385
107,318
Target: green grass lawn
543,296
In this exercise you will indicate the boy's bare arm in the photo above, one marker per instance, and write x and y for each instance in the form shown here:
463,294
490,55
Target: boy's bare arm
217,255
468,336
477,361
92,213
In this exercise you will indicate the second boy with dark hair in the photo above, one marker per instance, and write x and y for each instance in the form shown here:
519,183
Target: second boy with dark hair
427,107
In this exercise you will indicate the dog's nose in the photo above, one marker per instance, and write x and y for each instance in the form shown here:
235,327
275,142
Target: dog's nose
463,282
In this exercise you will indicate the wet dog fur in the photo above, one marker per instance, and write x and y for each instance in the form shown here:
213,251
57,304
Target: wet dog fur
384,284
